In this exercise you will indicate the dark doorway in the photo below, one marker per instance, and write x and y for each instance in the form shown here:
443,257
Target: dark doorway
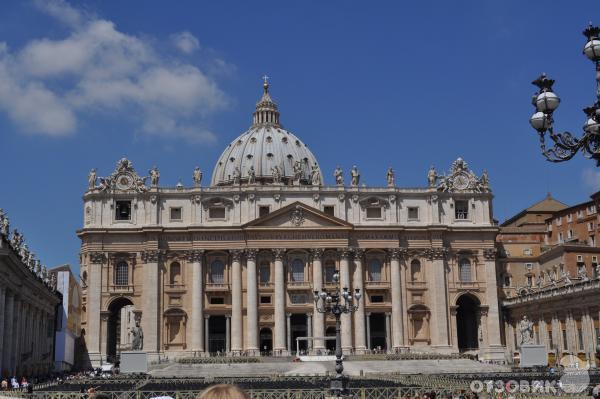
299,329
113,334
378,333
217,334
266,341
467,323
330,343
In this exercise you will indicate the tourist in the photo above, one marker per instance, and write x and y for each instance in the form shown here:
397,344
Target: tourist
223,391
4,384
14,383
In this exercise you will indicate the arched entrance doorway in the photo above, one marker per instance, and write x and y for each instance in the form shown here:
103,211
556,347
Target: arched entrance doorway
120,319
330,343
266,341
467,322
378,332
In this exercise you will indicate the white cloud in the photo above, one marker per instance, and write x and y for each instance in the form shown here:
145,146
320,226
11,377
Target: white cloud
48,84
591,179
186,42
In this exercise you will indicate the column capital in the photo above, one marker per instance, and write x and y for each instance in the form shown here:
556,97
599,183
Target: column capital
345,253
397,253
436,253
152,256
251,253
490,253
288,315
316,253
194,255
279,253
206,316
97,257
236,254
359,253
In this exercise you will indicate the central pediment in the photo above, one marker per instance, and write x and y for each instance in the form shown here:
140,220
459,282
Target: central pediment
298,216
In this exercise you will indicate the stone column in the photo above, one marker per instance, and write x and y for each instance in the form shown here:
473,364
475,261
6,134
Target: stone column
227,334
236,301
150,305
279,312
8,332
359,315
388,332
309,329
319,318
397,327
369,330
206,334
439,311
104,333
454,325
94,298
345,255
197,302
2,317
251,303
491,294
17,317
288,318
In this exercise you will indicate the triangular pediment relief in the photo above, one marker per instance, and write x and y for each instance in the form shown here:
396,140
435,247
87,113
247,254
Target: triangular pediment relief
298,216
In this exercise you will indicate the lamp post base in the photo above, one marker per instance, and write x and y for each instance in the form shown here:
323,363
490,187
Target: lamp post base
338,386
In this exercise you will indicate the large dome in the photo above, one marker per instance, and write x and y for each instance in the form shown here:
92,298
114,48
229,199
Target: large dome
266,147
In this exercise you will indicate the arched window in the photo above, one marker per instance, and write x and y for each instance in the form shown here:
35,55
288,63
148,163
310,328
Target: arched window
175,273
329,271
217,272
464,270
374,270
297,270
415,270
122,273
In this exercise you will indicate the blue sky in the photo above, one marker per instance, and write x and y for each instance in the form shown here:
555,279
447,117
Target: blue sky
376,84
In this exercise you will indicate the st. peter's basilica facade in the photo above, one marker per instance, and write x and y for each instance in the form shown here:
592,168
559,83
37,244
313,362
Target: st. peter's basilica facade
232,267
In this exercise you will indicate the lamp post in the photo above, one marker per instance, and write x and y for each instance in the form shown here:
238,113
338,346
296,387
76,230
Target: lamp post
337,303
545,102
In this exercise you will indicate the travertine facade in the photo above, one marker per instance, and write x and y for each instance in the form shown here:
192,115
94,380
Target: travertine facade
232,267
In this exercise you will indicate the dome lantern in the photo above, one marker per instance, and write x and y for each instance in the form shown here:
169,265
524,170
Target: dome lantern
266,110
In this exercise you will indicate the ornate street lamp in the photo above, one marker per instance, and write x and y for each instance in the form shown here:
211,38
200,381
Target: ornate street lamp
546,102
336,303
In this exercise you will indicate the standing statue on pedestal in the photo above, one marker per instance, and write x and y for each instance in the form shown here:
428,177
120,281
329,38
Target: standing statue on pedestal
297,172
565,277
154,176
197,177
276,174
315,175
431,177
354,176
237,175
526,331
339,176
92,179
389,177
137,337
251,175
4,224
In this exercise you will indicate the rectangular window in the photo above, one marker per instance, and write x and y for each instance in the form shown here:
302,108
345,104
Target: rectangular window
529,266
559,221
217,300
580,338
550,339
569,217
329,209
263,210
176,213
216,212
329,272
564,338
590,226
265,300
265,274
507,281
570,234
529,281
591,209
413,213
376,298
580,214
461,210
123,210
374,212
298,299
560,237
527,252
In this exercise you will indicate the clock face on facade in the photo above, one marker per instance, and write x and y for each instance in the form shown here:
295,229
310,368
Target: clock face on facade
461,182
124,181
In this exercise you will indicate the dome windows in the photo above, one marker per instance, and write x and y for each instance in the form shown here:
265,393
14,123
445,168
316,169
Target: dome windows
253,140
232,159
284,140
269,139
249,156
298,143
270,155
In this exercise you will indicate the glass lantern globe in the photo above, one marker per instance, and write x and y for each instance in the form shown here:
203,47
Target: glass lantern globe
540,121
591,126
547,102
592,49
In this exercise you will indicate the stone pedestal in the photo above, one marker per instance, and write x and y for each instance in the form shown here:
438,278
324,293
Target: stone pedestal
533,355
134,362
